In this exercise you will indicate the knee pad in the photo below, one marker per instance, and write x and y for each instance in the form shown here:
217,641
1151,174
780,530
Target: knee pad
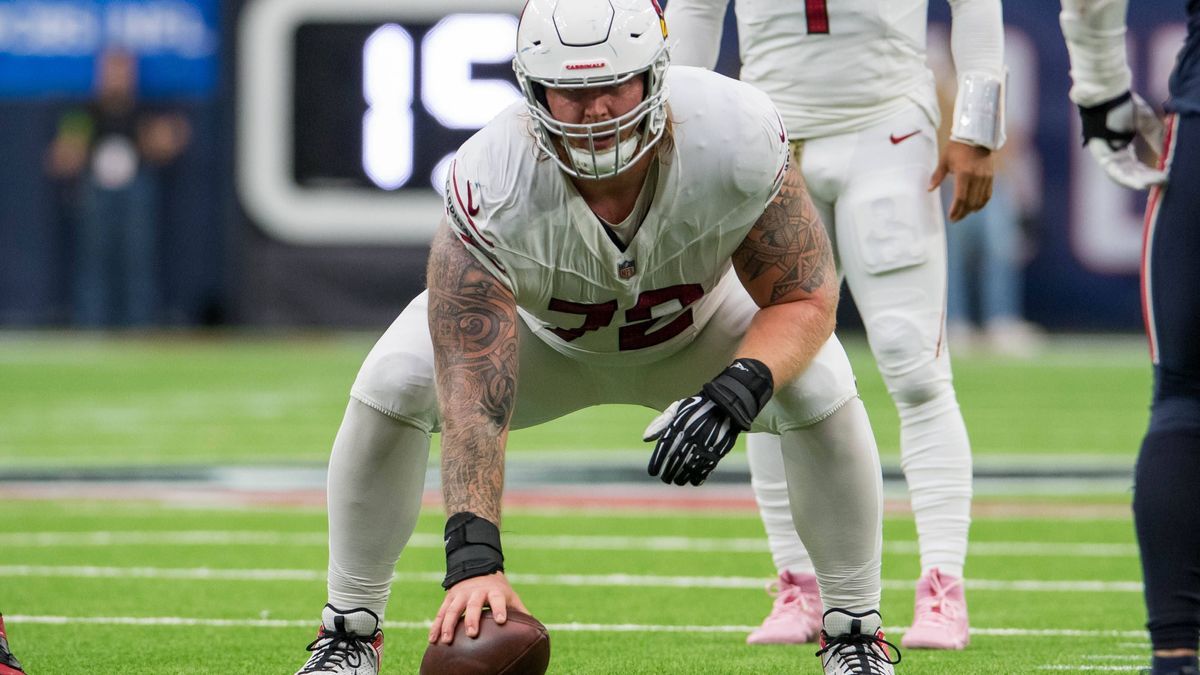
915,370
401,385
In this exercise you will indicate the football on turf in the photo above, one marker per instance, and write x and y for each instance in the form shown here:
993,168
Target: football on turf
519,647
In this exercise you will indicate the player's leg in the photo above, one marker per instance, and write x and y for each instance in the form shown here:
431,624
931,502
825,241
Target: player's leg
1166,502
893,255
795,616
377,476
836,494
830,462
375,483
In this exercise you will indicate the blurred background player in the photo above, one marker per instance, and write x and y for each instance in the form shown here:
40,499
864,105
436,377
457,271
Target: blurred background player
113,149
1166,502
859,101
593,251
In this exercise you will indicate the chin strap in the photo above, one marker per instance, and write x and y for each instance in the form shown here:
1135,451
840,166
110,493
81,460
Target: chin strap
604,163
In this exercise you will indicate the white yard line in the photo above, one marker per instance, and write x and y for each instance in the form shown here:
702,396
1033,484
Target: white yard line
1081,668
15,619
596,580
540,542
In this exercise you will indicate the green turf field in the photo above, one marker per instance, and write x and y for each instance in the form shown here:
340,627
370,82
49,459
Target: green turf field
227,399
134,587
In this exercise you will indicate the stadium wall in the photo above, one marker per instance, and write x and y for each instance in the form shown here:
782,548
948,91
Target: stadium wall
352,254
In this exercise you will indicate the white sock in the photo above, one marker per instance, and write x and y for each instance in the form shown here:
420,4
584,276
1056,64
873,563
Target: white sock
836,492
770,491
935,455
376,479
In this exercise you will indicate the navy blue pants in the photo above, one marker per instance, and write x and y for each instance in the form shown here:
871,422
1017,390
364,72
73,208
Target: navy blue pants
1166,502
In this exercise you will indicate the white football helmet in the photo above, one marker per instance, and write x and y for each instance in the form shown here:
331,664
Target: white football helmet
576,44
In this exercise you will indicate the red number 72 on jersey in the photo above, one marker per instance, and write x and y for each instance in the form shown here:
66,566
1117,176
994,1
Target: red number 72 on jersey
639,319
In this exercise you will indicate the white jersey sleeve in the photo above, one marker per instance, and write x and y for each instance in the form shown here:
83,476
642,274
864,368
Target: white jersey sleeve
481,187
1095,34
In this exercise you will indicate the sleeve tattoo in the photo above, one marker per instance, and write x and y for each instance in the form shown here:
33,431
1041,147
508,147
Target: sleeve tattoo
473,324
788,245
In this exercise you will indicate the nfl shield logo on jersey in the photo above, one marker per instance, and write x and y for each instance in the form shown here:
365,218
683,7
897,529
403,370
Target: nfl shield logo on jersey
626,269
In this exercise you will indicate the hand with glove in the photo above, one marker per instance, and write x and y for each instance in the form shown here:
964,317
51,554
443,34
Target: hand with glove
1108,132
694,433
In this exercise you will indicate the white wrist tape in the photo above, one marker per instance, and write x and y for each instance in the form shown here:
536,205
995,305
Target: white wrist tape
979,110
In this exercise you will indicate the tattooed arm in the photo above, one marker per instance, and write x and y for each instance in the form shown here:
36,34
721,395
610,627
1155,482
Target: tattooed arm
473,323
786,264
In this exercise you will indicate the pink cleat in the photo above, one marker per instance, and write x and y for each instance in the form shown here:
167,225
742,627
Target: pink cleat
795,617
940,618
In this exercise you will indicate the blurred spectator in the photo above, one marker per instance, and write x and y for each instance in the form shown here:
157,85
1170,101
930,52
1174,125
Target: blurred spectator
114,148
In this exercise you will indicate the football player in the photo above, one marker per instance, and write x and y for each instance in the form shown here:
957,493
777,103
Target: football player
1166,501
617,237
861,110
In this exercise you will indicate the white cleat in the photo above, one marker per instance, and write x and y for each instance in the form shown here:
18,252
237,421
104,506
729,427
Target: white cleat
853,644
348,643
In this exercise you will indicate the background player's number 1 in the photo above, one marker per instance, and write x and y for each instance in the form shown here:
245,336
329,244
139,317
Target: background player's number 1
818,16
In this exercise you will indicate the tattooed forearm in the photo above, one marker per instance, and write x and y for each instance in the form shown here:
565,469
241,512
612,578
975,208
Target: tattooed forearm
473,323
788,248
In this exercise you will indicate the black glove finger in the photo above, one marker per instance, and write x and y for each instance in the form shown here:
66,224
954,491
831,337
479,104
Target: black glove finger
677,461
698,434
670,447
658,455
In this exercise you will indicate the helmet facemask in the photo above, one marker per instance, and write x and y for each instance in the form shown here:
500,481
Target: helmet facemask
546,60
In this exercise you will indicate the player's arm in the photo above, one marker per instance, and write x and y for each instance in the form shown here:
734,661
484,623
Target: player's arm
786,264
473,324
977,46
695,29
1111,114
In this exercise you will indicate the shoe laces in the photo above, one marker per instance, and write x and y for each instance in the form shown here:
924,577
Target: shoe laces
937,604
333,648
861,653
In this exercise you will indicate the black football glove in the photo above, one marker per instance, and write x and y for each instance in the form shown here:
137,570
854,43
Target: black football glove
694,433
1108,132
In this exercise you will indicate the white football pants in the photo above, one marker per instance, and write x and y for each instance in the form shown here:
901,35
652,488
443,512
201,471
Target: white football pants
889,237
377,468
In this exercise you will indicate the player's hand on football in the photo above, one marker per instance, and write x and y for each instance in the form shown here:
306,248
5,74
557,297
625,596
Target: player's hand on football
1109,129
972,167
694,433
466,600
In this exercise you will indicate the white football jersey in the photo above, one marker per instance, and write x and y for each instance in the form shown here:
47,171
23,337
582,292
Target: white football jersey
857,62
579,288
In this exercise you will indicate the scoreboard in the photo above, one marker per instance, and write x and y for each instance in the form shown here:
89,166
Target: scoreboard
349,111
